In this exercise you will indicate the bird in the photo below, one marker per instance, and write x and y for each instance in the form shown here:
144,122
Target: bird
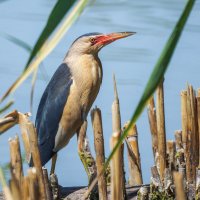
70,93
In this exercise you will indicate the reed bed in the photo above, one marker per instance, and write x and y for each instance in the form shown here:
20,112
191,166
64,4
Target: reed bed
175,175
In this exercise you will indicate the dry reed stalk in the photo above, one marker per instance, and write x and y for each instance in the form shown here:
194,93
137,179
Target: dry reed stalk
15,189
191,133
16,160
34,190
193,129
134,157
153,126
179,187
8,121
23,120
171,154
116,125
25,186
186,134
198,114
99,149
36,158
160,116
47,184
184,117
5,188
116,170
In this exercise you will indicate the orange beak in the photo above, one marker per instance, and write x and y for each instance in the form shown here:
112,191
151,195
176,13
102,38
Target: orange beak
103,40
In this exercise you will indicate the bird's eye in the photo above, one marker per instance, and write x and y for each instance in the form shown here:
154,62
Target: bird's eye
92,40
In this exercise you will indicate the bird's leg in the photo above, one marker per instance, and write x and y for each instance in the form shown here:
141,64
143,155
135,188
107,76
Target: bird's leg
84,152
53,164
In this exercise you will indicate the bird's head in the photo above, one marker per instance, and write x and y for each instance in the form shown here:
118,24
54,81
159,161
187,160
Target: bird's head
91,43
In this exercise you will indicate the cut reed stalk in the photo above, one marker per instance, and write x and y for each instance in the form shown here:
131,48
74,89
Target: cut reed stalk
47,184
36,158
184,117
134,157
99,149
6,189
116,124
153,126
34,190
15,160
179,187
192,128
116,170
25,186
23,120
198,114
160,116
171,155
15,189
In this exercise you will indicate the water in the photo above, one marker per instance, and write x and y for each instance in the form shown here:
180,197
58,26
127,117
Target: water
131,59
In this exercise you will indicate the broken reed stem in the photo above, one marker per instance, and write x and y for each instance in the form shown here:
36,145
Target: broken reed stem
198,114
134,157
116,170
160,116
99,149
34,190
186,134
116,124
171,155
8,121
47,184
36,158
23,120
6,189
192,128
179,187
16,160
25,185
153,126
15,189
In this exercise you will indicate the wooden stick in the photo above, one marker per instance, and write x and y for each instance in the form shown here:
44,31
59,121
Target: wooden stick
116,124
134,157
36,158
160,116
47,184
16,160
178,180
153,126
99,149
198,114
34,190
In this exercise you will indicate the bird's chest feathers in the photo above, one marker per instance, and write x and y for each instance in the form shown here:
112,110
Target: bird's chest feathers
88,79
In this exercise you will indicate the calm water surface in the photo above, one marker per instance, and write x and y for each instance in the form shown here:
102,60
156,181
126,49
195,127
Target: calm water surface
131,59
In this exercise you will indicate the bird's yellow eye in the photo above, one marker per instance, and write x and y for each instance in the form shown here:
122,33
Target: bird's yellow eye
92,40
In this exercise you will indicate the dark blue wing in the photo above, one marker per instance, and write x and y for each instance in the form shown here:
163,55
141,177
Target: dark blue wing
50,110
